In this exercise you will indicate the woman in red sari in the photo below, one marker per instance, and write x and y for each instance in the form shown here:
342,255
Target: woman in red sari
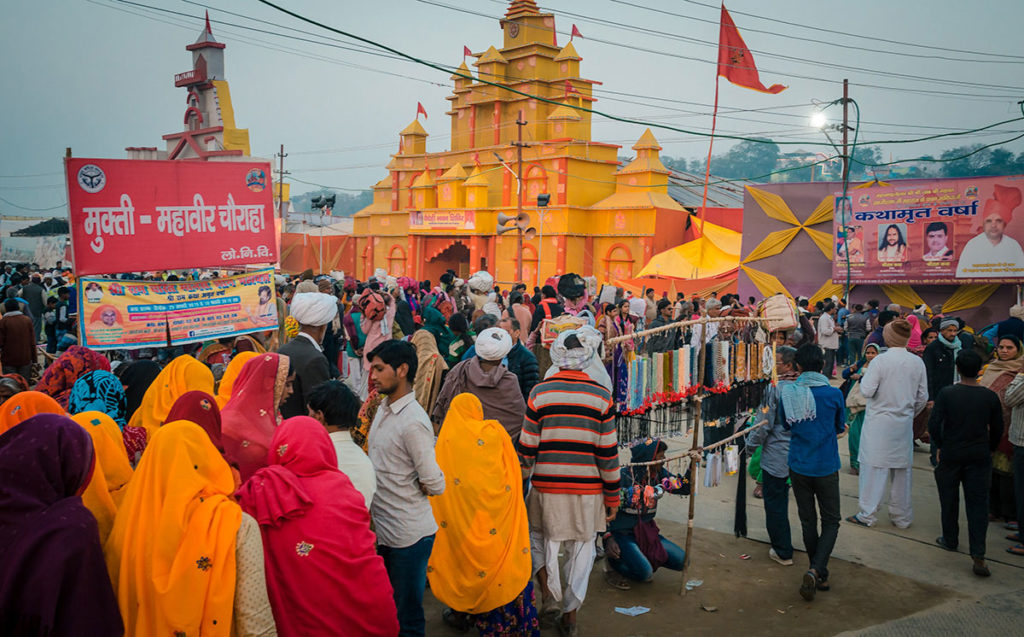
250,417
324,576
200,408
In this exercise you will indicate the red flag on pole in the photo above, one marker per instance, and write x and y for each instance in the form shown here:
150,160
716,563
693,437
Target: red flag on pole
465,52
735,62
575,33
420,110
208,29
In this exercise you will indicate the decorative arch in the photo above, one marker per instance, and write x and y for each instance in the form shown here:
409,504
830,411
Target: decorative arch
536,183
530,263
396,261
619,262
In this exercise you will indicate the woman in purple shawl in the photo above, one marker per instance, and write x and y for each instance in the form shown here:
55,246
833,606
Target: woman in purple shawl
53,580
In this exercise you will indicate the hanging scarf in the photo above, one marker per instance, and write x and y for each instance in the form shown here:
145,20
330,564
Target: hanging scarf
797,399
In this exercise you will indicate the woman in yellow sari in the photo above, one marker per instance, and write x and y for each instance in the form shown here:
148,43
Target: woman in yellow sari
183,558
181,375
112,471
23,405
227,381
480,565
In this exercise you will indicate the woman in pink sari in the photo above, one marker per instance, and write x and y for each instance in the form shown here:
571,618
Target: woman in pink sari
250,417
324,576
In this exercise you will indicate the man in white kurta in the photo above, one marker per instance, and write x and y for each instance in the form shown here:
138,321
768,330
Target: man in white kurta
896,389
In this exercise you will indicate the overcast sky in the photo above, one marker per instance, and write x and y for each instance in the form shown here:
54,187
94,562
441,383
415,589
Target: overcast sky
97,75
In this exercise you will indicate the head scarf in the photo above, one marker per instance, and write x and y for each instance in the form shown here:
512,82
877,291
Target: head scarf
113,471
434,322
17,379
181,375
246,343
52,577
429,369
323,572
136,379
998,368
306,286
60,377
99,391
23,405
579,357
171,554
915,332
493,344
200,408
481,557
313,308
249,419
227,381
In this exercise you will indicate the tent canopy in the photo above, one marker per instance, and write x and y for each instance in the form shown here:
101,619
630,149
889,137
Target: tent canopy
715,253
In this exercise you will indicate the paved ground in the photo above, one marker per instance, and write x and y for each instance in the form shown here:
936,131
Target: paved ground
993,602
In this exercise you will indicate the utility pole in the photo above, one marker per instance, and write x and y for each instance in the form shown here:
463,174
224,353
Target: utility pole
519,198
846,129
280,183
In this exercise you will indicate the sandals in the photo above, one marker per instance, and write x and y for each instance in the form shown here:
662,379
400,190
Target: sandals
458,621
853,519
759,491
616,580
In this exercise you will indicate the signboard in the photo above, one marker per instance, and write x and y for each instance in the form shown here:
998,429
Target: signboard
442,220
134,215
932,231
122,314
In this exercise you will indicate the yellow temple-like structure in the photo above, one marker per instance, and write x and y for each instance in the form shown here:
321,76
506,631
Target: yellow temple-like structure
439,210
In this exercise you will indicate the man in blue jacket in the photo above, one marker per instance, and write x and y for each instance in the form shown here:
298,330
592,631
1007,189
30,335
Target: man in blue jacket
815,414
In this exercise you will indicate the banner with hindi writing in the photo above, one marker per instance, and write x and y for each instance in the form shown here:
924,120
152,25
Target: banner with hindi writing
124,314
931,231
135,215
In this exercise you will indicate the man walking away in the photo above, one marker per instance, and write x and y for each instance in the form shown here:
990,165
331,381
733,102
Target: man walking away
966,424
813,412
35,296
773,439
857,331
896,389
401,447
828,338
17,341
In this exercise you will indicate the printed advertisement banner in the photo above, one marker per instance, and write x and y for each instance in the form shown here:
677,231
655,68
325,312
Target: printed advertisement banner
134,215
932,231
122,314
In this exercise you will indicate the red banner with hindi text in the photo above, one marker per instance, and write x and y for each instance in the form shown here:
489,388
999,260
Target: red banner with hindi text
137,215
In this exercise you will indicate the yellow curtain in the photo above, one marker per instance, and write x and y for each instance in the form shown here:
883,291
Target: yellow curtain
772,244
902,294
823,212
766,284
821,239
827,291
968,296
773,205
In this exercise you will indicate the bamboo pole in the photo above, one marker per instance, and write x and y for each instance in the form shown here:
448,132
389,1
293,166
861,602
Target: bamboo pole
694,462
702,320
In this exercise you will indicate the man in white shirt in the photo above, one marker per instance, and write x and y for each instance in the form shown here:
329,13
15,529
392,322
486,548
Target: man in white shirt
828,338
337,408
402,451
992,253
896,389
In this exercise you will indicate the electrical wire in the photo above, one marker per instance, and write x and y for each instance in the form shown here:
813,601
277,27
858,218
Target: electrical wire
11,203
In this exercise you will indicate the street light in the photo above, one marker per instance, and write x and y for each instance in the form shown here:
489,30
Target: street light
322,204
818,119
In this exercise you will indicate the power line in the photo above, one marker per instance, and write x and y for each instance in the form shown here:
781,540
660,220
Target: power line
856,35
11,203
789,36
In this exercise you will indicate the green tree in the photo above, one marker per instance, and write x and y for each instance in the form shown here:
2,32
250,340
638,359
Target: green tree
746,160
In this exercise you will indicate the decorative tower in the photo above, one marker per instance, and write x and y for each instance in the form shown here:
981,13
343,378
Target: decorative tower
209,119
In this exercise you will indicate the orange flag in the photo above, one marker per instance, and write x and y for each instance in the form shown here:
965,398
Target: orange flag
420,110
735,62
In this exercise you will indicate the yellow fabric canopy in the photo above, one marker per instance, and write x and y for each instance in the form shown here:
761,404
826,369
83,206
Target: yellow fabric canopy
481,557
714,253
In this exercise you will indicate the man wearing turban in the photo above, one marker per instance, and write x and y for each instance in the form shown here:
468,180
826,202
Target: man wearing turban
312,311
992,253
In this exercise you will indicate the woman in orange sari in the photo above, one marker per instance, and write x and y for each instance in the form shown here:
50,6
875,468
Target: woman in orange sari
23,405
183,558
181,375
249,419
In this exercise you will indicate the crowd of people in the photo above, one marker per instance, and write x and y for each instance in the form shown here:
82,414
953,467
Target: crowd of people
392,434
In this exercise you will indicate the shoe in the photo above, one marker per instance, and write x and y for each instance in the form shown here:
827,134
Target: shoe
775,556
1016,549
979,567
549,614
809,586
941,541
599,555
616,580
456,620
759,491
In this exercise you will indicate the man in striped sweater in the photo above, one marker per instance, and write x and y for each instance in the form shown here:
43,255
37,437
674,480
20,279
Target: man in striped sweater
568,448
